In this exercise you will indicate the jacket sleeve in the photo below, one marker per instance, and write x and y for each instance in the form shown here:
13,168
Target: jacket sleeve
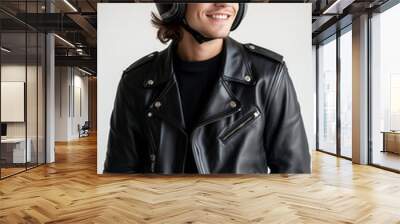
287,148
122,148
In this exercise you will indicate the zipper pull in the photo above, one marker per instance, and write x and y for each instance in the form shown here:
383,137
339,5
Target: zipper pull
153,162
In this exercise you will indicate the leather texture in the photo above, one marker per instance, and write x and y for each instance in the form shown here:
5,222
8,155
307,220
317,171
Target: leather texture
252,122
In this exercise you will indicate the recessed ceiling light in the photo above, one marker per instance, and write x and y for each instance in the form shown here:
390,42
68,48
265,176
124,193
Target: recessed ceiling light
84,71
64,40
70,5
337,7
5,50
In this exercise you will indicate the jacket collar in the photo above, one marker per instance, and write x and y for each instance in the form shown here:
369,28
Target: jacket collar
236,65
222,101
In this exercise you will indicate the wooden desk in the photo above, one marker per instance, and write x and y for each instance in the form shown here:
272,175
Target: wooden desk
391,141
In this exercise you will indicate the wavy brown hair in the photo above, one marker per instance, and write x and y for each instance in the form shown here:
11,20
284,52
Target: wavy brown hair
166,31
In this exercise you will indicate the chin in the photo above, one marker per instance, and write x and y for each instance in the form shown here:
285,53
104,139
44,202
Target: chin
218,34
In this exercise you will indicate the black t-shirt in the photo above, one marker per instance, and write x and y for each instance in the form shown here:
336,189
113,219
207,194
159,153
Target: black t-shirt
195,81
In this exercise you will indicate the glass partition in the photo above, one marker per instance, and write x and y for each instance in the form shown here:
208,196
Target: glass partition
31,100
14,153
385,89
33,64
22,64
327,96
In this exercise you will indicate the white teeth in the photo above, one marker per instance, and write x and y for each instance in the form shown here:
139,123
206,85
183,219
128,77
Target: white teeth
219,16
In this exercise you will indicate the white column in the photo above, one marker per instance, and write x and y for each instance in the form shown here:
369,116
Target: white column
360,90
50,99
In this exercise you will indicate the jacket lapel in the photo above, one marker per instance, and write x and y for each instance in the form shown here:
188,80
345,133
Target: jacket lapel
222,101
167,104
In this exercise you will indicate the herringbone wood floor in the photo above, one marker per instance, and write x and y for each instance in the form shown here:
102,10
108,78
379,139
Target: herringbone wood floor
70,191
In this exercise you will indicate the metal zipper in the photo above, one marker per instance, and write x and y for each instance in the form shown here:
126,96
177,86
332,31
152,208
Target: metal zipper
249,118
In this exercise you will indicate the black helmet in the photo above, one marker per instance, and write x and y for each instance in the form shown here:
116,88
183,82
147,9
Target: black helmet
175,12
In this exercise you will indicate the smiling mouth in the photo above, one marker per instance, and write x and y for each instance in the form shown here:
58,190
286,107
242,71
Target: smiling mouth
219,16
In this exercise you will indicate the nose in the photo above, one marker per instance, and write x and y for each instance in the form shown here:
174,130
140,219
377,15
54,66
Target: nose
222,4
232,6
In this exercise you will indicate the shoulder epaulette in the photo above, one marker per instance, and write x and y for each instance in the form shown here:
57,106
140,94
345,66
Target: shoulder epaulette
264,52
141,61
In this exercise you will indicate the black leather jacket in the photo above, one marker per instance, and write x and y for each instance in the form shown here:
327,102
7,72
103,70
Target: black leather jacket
252,123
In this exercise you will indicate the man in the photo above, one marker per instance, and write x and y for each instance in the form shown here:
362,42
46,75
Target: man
207,103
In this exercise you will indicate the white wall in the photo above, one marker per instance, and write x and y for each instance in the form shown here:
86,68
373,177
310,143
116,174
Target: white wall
33,126
67,117
17,72
284,28
61,103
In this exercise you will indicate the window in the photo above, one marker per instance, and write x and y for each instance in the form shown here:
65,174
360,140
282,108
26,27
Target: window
327,96
335,138
385,88
346,75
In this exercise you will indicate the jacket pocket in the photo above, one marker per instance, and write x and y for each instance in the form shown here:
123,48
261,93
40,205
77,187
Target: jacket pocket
240,124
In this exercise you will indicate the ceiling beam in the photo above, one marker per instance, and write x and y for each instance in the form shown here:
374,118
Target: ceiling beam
84,61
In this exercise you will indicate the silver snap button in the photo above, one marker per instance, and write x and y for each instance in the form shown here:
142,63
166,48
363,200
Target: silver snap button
247,78
149,114
149,82
232,104
157,104
252,47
